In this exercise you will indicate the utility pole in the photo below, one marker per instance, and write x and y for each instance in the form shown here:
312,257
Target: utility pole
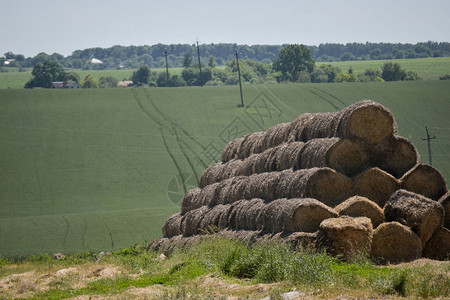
429,138
167,69
199,65
239,74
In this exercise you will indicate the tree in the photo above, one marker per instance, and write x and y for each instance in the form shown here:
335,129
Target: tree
46,73
211,62
90,82
141,76
108,82
187,60
392,72
293,60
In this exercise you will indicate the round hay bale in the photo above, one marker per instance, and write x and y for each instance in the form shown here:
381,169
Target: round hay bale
225,193
396,155
375,184
347,236
296,128
211,175
347,156
270,157
229,169
357,206
155,245
438,247
222,221
231,149
253,215
211,219
323,184
424,216
209,194
191,200
291,215
284,184
172,226
321,125
424,180
190,223
280,156
236,218
445,202
394,242
302,240
249,144
246,167
291,156
276,135
268,186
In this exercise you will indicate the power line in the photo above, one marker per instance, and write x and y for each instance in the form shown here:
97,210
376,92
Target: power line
429,138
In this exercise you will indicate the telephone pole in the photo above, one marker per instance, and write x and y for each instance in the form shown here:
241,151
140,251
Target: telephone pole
167,69
429,138
239,74
199,65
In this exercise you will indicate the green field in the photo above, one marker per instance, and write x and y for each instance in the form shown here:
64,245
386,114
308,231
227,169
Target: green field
101,169
427,68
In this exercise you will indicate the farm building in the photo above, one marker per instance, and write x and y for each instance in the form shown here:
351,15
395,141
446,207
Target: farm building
66,85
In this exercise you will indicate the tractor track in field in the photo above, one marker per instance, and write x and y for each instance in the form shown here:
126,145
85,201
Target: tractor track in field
324,98
332,96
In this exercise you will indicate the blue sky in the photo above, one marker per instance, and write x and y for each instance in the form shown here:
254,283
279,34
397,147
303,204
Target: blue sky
32,26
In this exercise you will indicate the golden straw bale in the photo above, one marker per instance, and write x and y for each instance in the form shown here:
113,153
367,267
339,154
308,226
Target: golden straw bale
279,156
246,167
424,216
229,169
276,135
155,245
396,155
225,194
191,200
291,156
303,240
445,202
172,226
211,175
394,242
438,247
190,224
296,128
366,120
375,184
347,236
259,162
323,184
249,144
268,186
212,217
347,156
253,215
424,180
284,184
248,237
231,149
270,157
291,215
358,206
236,216
321,125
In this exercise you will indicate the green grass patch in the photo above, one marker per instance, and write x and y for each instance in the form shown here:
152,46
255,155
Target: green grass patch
233,261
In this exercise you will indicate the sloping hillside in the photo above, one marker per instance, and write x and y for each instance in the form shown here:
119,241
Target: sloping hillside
102,169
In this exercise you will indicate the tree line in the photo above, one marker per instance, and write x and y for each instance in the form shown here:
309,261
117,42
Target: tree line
293,64
117,57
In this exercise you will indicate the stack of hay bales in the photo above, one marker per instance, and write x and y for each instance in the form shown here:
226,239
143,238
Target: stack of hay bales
345,180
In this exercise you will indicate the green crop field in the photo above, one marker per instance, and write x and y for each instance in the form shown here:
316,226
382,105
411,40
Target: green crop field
101,169
427,68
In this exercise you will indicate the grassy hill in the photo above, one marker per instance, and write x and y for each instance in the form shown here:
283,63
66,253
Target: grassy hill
102,169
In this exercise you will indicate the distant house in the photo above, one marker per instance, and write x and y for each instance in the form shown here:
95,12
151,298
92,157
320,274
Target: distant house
96,61
124,83
66,85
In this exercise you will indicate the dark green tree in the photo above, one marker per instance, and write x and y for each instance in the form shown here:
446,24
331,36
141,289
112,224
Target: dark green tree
141,76
211,62
108,82
90,82
392,72
46,73
293,60
187,60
